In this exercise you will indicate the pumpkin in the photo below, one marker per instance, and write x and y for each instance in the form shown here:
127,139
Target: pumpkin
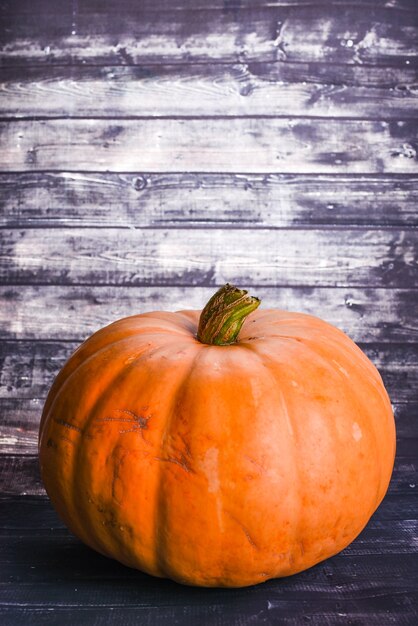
217,448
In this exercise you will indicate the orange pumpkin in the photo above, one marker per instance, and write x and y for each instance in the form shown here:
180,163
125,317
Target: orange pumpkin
184,450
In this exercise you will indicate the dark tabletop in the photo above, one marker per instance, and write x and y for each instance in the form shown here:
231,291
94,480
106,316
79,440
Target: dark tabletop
151,151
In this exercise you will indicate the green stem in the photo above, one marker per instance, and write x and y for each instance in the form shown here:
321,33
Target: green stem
223,316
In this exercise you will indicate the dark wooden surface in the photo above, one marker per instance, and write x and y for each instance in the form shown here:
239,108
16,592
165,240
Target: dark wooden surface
151,151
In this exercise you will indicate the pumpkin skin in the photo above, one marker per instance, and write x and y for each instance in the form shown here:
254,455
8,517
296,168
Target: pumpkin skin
217,465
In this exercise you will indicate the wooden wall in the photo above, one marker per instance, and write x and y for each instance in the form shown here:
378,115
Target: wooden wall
152,151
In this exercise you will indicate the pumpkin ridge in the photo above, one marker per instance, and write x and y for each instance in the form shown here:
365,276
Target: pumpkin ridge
81,530
102,400
160,543
89,415
319,356
329,423
373,375
77,504
352,389
288,418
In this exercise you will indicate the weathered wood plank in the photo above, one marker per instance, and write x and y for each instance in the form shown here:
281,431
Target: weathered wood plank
218,615
239,7
19,514
399,78
375,611
73,313
205,200
19,476
184,257
249,145
20,419
320,32
398,365
27,369
194,90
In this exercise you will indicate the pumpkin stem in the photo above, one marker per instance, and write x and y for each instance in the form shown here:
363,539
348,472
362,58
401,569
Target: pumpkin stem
223,316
